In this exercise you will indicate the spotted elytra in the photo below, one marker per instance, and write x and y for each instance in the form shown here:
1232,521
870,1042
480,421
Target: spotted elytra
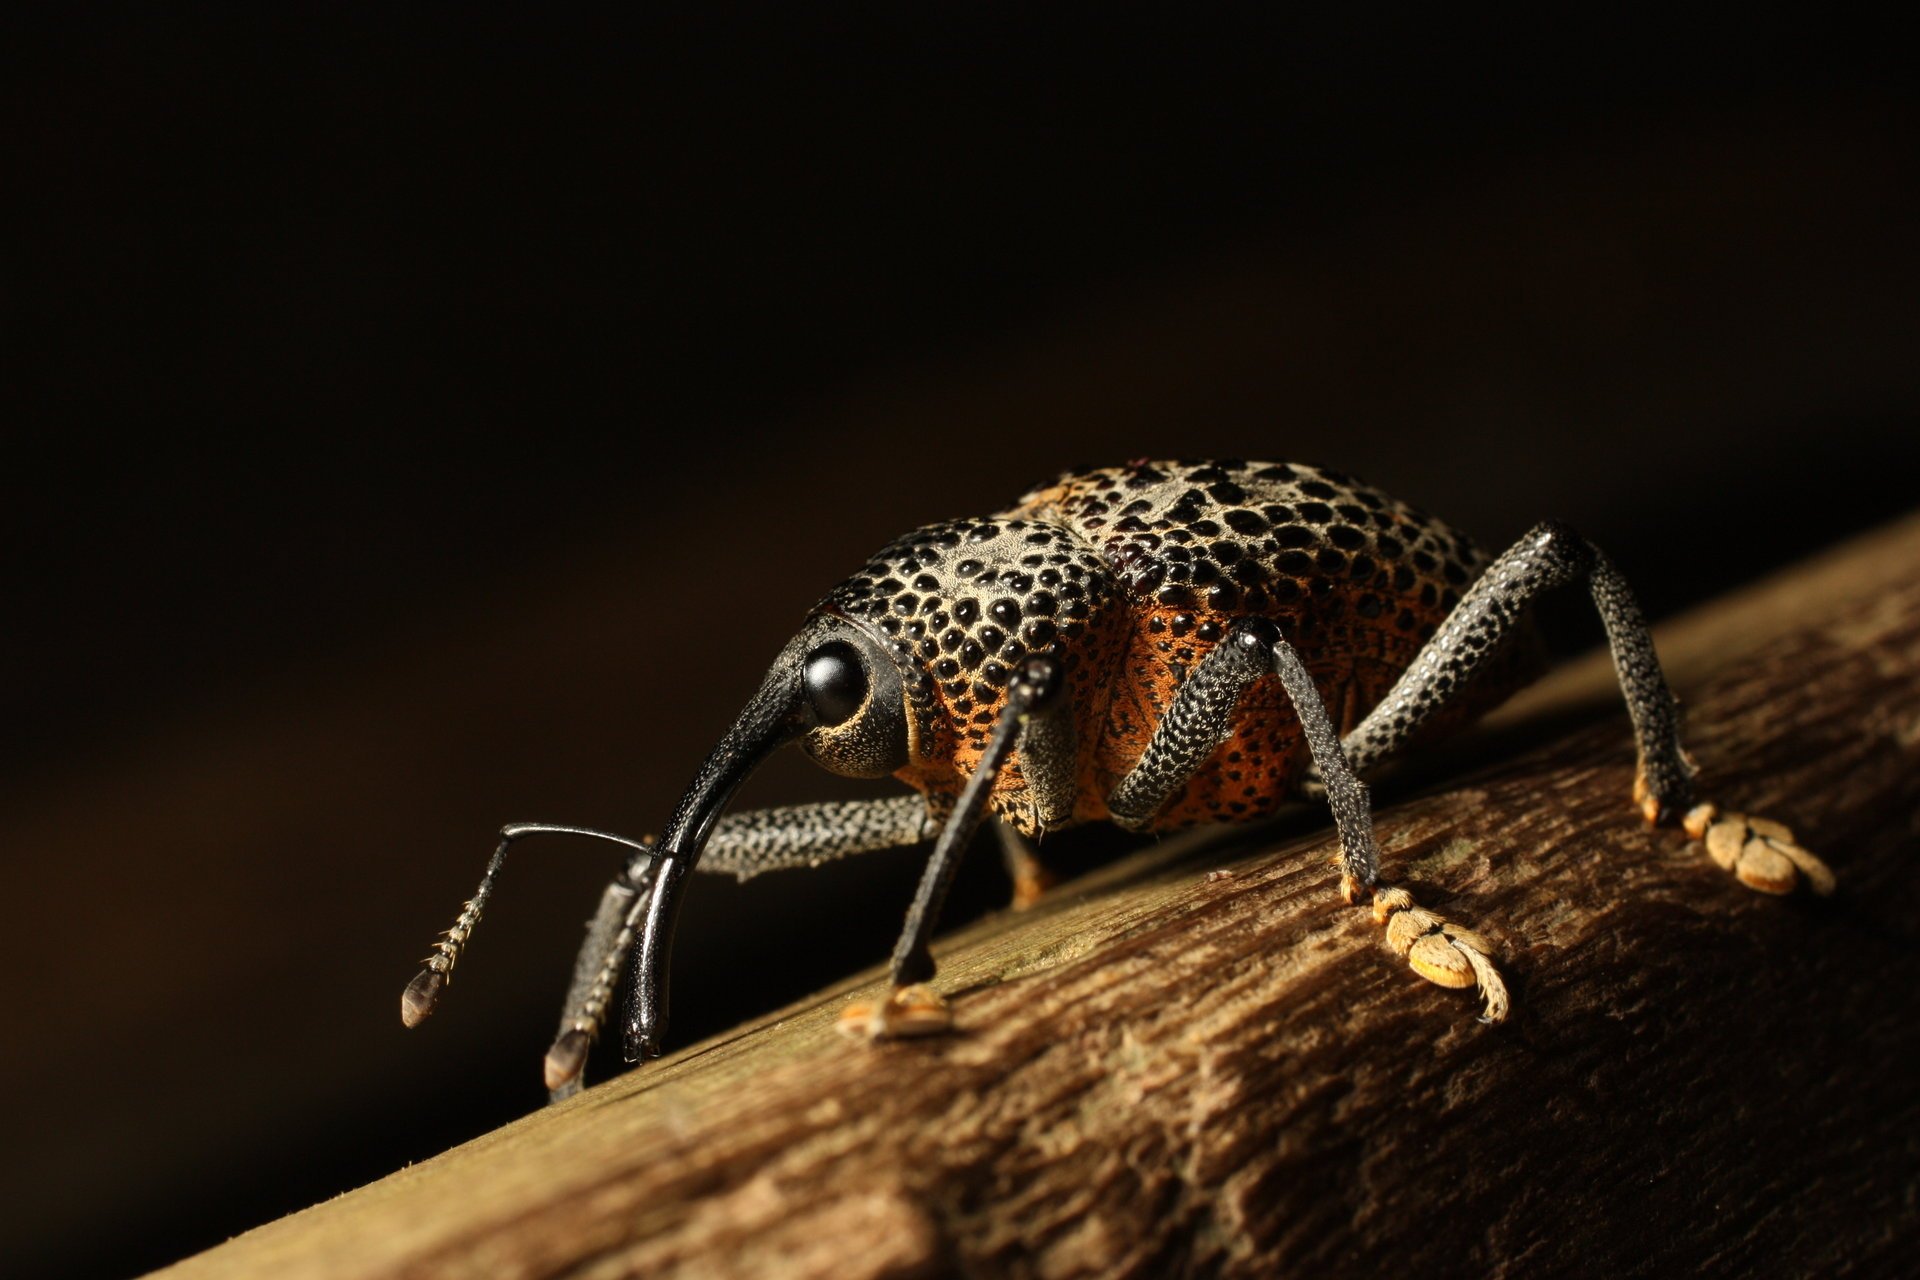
1154,645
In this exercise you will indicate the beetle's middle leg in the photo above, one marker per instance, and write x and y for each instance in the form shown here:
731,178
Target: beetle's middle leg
1762,854
1201,718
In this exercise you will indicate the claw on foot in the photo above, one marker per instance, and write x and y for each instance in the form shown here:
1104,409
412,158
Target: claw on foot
1652,808
1646,802
1351,889
1439,950
916,1010
1759,852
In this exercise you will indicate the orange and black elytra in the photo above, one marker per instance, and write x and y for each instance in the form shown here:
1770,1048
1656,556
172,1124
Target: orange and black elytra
1154,645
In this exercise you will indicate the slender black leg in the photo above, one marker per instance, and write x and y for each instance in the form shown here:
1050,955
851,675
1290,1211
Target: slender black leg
596,972
1201,717
914,1008
1034,686
1551,555
1761,853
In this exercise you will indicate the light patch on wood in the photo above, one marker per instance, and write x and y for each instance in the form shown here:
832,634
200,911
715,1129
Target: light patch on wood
1452,854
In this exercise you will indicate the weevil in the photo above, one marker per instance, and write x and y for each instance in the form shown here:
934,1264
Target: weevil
1154,645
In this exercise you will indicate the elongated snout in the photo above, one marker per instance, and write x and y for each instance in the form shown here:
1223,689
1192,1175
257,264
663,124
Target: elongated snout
774,716
836,686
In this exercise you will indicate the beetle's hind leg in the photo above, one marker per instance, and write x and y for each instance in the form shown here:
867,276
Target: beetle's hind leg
1201,717
1761,854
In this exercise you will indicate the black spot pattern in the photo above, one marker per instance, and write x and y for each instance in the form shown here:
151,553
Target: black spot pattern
993,592
1256,537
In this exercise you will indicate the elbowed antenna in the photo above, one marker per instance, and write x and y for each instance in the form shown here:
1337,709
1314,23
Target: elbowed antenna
774,716
424,992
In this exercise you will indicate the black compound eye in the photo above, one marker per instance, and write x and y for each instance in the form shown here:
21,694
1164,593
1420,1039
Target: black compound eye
836,682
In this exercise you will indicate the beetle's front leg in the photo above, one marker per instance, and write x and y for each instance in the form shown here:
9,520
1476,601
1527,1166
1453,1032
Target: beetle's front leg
743,845
1035,719
1201,718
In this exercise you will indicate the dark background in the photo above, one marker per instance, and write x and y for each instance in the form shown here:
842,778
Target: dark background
413,424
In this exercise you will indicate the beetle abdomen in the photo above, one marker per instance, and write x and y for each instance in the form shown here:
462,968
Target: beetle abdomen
1357,580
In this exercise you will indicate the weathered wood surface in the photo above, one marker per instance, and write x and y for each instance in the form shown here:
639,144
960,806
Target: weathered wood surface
1198,1062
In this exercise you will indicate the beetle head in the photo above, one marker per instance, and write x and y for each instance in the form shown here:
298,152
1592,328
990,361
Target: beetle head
901,669
852,701
957,607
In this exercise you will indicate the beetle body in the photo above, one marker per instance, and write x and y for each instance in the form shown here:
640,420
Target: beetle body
1156,644
1130,576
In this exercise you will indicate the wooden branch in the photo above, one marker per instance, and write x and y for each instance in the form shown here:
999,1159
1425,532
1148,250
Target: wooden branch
1202,1062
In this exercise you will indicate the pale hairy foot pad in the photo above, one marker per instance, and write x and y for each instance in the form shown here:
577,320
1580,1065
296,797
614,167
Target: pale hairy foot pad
916,1010
1439,950
1759,852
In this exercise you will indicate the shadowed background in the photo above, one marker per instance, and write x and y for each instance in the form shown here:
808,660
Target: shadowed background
415,425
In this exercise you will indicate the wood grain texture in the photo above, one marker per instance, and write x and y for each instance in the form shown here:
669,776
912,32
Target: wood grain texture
1196,1061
